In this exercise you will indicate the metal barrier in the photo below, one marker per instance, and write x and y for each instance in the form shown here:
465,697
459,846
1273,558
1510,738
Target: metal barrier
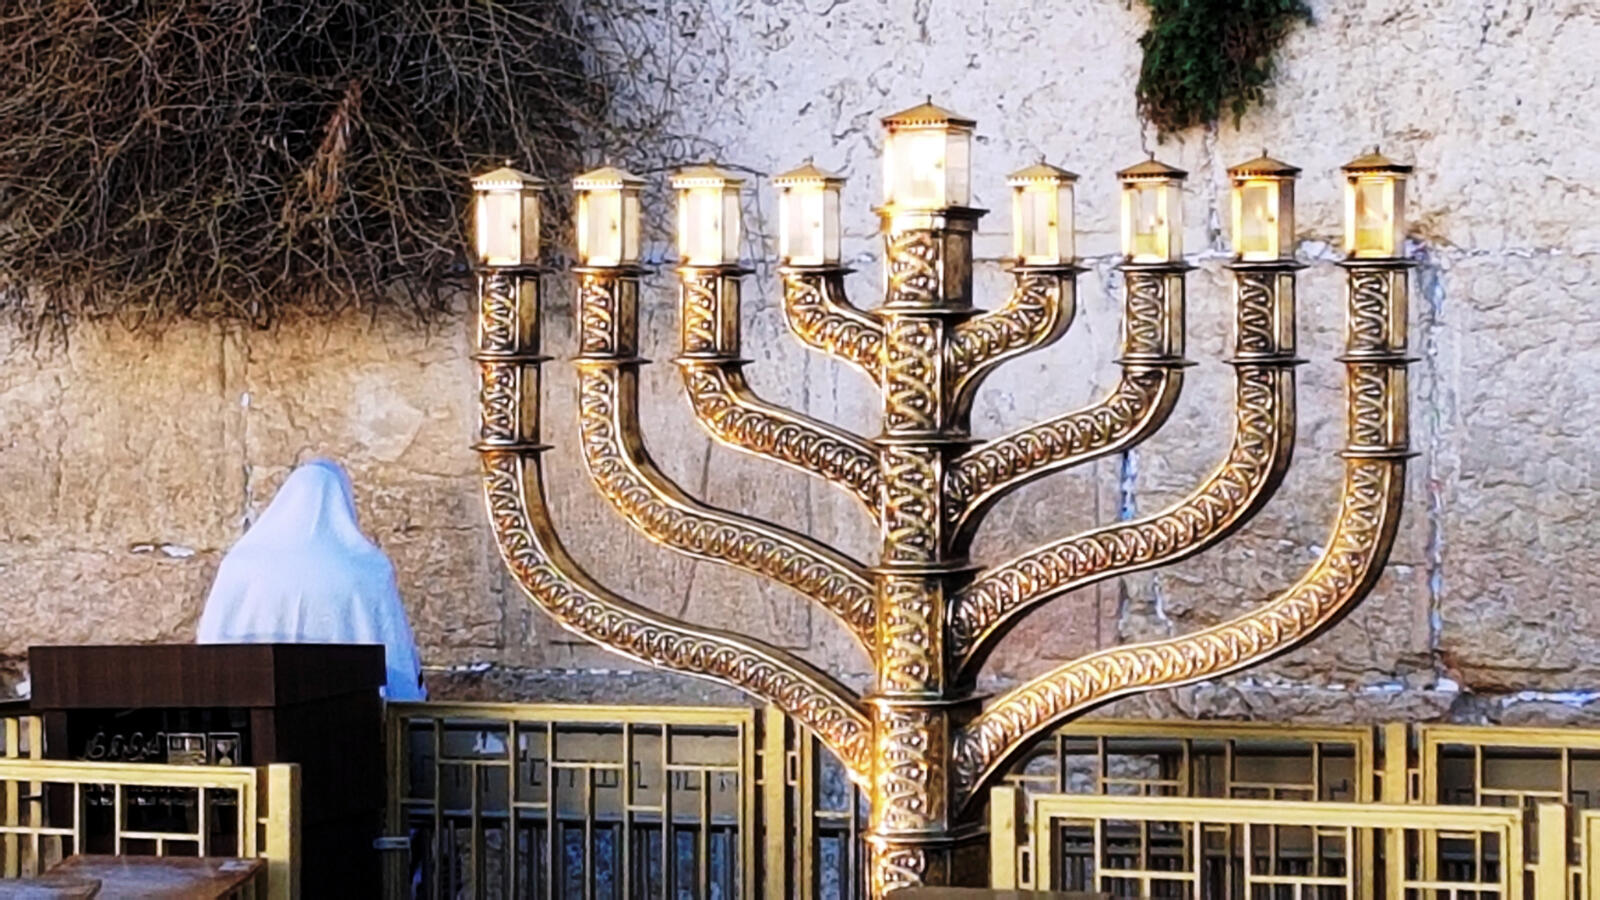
1536,769
1206,848
1238,760
55,809
755,801
550,800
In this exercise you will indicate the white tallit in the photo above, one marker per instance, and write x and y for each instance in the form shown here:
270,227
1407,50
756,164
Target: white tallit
304,573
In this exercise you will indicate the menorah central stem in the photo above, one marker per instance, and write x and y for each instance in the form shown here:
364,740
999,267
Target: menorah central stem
915,836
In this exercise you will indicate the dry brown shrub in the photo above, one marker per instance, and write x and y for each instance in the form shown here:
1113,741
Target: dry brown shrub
242,158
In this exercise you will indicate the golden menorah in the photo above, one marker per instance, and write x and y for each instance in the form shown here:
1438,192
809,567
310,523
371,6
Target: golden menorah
922,743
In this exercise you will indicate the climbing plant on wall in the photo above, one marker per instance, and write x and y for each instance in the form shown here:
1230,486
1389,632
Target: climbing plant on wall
1206,57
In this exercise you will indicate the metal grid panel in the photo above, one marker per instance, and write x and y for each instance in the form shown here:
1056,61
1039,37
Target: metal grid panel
1202,759
552,801
1526,768
54,809
1217,848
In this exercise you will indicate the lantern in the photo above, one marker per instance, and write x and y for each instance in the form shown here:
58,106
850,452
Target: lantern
708,215
927,159
507,217
608,217
1152,212
808,216
1374,207
1263,209
1041,215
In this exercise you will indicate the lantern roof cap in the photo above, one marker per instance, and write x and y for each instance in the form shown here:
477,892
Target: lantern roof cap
1151,169
1040,171
506,177
927,115
1263,166
705,175
1376,162
808,172
605,177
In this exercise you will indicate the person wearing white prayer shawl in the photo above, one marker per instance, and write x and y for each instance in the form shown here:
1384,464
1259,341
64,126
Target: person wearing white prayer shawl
304,573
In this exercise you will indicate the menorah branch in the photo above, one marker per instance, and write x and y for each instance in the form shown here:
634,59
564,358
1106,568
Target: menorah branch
738,419
509,364
713,374
621,468
1152,375
1038,312
1375,452
819,314
1258,457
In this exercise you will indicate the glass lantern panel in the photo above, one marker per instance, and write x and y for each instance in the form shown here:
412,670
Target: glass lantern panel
1257,220
530,226
600,227
731,224
630,228
700,226
958,169
1150,227
1373,217
796,240
500,228
1039,225
917,169
831,251
1066,249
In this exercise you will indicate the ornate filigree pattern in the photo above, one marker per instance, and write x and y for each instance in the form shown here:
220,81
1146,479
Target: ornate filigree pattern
555,583
723,403
1148,316
701,314
911,375
819,315
499,398
896,867
1263,440
1257,332
914,277
1369,310
1353,560
1037,314
497,315
910,504
1134,409
910,746
624,473
909,626
601,325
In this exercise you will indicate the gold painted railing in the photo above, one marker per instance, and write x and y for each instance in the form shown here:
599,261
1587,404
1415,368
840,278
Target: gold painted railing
1208,848
788,821
568,801
53,809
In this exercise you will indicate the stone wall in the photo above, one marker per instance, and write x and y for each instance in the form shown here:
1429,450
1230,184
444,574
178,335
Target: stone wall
130,463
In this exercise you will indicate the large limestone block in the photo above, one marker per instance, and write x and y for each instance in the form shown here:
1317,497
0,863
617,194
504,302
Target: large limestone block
1520,420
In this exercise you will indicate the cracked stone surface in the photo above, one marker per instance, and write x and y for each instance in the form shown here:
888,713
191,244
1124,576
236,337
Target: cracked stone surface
132,462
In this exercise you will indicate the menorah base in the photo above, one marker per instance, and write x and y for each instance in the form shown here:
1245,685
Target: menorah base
959,858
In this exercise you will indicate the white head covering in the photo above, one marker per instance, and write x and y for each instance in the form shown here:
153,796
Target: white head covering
304,573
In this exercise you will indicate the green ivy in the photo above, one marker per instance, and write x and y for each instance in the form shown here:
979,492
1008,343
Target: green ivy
1202,57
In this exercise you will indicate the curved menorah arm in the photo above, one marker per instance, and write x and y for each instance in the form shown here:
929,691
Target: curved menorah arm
1369,515
818,313
1258,457
1152,375
509,446
621,467
1037,314
713,375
